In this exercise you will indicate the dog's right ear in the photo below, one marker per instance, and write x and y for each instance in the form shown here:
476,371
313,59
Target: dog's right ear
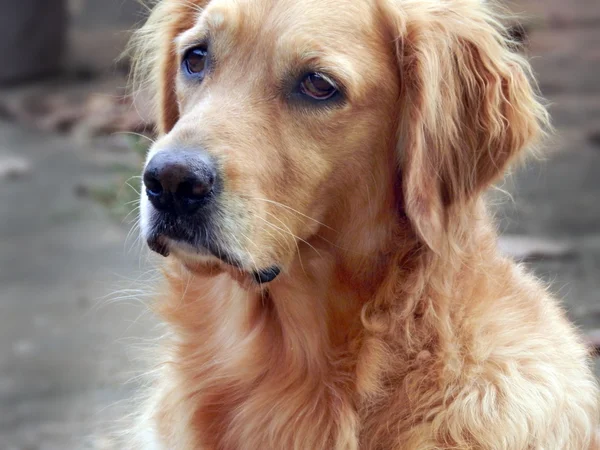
155,62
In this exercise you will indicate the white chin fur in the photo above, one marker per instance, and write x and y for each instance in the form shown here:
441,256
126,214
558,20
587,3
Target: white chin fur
145,215
145,206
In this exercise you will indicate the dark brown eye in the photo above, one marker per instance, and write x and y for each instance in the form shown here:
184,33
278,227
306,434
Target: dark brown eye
318,86
194,61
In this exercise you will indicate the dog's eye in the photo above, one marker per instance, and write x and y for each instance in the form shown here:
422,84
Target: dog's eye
318,86
195,61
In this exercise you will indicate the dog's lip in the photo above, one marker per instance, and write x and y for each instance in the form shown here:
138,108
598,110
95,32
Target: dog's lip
266,275
160,245
163,245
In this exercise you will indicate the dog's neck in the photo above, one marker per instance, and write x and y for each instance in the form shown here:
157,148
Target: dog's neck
341,284
321,332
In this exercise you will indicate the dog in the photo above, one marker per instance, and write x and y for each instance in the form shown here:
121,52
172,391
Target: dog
332,276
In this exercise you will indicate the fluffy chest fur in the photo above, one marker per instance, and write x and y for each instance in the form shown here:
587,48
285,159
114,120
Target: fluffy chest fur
263,370
313,364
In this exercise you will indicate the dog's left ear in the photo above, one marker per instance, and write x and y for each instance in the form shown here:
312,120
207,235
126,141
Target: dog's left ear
467,106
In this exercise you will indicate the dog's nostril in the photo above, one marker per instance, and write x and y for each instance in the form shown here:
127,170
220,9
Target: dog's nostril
153,193
194,189
153,186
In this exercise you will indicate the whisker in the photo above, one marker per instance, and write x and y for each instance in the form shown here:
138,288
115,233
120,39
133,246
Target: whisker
132,133
279,230
134,189
293,210
132,202
134,210
281,240
245,249
292,234
134,229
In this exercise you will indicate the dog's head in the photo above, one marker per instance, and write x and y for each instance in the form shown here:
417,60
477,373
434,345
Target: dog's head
279,119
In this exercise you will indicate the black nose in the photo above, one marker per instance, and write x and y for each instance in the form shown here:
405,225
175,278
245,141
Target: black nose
180,181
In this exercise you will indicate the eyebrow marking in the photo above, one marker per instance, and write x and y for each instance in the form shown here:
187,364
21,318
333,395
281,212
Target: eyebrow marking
193,37
215,21
220,20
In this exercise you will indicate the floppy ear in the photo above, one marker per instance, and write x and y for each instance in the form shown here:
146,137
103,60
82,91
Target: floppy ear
154,58
467,106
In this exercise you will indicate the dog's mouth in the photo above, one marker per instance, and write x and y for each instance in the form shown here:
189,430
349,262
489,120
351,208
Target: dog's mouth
158,244
208,253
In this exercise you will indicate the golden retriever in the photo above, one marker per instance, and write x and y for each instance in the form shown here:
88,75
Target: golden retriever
333,279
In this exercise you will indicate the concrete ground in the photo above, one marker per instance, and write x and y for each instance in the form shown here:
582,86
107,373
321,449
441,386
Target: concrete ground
64,356
72,311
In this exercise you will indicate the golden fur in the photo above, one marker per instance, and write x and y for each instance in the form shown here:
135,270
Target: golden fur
396,323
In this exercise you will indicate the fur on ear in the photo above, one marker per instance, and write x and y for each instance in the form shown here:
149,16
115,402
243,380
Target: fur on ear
154,58
468,108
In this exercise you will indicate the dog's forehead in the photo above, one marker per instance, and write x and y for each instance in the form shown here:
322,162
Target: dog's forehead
337,34
270,20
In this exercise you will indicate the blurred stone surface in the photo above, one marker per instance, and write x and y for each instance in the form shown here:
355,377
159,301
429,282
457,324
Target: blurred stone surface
100,30
71,303
81,112
32,38
91,96
558,14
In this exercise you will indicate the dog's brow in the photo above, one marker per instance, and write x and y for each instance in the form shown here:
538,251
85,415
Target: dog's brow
220,20
211,21
193,36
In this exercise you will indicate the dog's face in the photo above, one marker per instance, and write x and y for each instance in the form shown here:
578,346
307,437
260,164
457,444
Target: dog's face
279,118
283,108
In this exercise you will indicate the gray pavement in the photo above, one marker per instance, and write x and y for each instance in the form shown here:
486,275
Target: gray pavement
65,356
70,329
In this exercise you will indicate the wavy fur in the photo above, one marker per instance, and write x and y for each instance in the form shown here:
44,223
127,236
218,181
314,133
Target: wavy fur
397,325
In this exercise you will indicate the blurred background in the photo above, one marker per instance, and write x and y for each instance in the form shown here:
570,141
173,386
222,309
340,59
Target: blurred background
73,272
